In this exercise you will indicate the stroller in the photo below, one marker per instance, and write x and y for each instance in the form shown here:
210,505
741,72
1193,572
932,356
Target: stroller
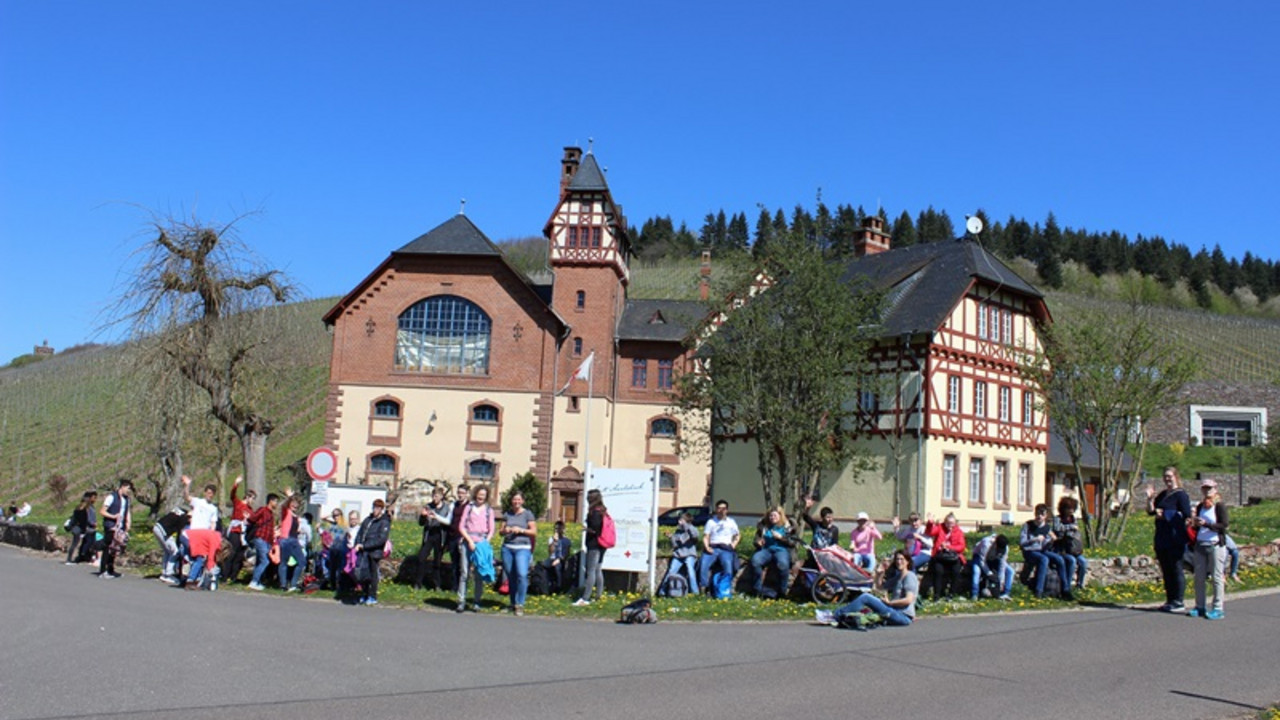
836,578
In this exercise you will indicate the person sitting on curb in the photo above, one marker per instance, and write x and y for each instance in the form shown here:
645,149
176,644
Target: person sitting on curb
991,560
1036,540
917,543
898,605
773,542
1070,543
720,546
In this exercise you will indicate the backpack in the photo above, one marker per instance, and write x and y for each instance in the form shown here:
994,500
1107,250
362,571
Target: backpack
721,586
639,612
539,580
608,533
674,586
1071,542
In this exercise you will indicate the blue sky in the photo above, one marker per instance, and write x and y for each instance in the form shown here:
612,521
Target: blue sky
354,128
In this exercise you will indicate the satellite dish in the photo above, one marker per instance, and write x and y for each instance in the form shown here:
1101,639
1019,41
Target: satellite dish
973,224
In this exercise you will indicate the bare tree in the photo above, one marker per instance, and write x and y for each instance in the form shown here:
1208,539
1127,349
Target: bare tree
194,305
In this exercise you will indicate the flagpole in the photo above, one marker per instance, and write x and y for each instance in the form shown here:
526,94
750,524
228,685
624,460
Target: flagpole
586,466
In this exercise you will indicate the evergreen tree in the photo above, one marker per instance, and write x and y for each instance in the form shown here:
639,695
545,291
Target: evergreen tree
845,232
903,231
764,232
738,235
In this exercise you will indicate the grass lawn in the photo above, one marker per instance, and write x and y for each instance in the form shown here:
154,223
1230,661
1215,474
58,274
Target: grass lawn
1256,524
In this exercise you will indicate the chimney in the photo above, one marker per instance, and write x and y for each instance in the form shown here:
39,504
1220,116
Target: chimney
568,167
704,276
873,238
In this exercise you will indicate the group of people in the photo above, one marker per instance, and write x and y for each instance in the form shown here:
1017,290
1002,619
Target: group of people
1197,534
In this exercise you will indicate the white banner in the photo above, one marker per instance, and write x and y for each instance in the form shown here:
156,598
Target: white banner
632,499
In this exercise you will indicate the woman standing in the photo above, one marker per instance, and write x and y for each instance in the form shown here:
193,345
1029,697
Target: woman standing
371,540
1210,521
477,530
596,512
773,542
434,519
948,554
518,534
79,526
1172,509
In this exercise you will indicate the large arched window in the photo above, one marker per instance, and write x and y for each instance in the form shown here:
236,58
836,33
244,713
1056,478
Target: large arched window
444,334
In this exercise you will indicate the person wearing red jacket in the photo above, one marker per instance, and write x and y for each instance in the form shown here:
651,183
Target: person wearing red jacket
240,512
947,563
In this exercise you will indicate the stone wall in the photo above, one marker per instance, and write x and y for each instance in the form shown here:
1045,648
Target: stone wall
1266,487
35,537
1173,425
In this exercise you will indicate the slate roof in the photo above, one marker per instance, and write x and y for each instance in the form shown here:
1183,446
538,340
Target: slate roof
588,176
660,320
455,236
1089,460
923,283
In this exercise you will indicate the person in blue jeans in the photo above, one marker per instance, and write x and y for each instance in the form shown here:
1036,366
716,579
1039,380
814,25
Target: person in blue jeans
900,587
1037,540
991,559
774,542
684,551
518,534
720,544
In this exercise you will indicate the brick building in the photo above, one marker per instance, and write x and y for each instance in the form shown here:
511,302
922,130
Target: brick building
451,364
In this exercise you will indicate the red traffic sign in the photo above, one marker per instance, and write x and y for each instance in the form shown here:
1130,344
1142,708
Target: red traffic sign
322,464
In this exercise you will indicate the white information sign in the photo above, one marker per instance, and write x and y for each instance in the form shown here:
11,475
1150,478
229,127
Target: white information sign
632,499
319,492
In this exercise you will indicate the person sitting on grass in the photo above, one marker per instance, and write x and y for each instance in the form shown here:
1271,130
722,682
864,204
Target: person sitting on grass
991,560
773,542
559,548
899,589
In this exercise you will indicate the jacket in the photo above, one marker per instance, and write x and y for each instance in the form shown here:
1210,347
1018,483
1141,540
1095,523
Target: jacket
1223,519
373,534
942,539
1172,508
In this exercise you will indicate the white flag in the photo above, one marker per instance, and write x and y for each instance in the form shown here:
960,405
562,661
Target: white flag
582,373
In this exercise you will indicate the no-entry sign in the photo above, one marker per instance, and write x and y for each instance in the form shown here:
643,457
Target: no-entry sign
322,464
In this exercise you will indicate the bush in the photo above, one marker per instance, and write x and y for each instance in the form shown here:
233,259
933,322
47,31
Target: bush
57,490
534,491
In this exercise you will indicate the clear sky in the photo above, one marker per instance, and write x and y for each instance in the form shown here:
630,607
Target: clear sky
355,127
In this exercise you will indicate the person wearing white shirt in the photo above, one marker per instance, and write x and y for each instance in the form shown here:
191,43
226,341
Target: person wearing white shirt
202,535
720,543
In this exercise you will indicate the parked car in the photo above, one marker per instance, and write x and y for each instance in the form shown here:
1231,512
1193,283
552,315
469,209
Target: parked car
701,514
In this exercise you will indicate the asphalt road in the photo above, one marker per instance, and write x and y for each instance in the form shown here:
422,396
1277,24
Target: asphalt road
77,646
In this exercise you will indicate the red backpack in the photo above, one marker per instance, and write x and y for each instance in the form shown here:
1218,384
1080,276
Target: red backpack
608,533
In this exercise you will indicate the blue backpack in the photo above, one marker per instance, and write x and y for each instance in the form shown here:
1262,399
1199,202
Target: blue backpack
722,586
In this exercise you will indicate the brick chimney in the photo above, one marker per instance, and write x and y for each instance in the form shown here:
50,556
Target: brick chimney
873,238
568,168
704,276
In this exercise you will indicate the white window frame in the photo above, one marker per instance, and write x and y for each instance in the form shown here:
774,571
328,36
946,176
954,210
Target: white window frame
949,477
979,398
982,321
1005,394
953,394
1001,479
975,481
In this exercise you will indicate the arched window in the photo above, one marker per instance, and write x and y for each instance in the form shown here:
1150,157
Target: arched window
444,334
382,463
484,414
480,469
667,480
386,409
663,427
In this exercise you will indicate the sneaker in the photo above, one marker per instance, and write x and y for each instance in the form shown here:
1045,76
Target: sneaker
293,589
1174,608
1195,612
1215,615
1005,598
474,607
213,585
68,563
581,603
362,601
371,601
109,576
168,580
461,608
519,611
826,617
257,586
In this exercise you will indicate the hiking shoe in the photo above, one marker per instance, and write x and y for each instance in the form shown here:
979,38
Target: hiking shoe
257,586
1195,612
826,617
581,603
1215,615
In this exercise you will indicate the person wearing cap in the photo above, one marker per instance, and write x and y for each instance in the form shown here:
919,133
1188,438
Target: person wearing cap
1209,520
862,541
371,539
1171,508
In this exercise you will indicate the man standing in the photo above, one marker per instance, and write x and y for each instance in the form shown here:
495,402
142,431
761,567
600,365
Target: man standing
721,545
202,535
117,514
457,548
1171,509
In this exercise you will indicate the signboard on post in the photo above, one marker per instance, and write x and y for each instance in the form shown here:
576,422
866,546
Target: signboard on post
632,499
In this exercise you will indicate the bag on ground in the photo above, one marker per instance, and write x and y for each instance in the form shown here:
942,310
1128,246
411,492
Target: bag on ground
639,612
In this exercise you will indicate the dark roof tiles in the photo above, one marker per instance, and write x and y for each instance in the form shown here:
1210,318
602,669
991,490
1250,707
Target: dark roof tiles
456,236
659,320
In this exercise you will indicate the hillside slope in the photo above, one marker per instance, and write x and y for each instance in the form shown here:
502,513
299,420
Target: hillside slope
72,414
